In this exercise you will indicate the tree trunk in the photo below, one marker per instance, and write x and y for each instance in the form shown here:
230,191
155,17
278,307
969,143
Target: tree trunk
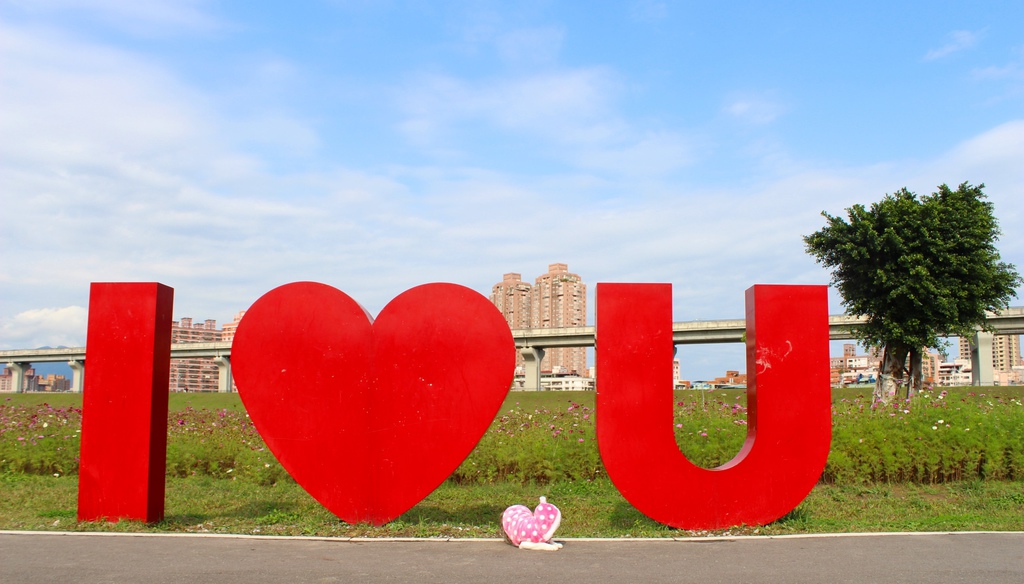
890,377
916,374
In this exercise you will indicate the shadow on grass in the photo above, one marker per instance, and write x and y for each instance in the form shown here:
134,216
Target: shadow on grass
178,519
261,512
481,515
625,516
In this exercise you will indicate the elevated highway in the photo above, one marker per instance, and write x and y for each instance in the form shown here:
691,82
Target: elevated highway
530,342
1006,322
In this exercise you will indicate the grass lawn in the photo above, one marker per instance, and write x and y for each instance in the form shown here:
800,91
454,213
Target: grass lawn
594,509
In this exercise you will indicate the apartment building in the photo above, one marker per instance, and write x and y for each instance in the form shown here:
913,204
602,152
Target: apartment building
30,381
560,300
195,374
227,334
556,299
1005,352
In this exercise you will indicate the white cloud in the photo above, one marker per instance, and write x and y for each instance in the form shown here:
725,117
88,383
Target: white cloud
993,158
70,104
283,134
530,45
121,172
44,327
650,154
1014,70
648,10
993,151
142,17
573,114
754,109
959,40
566,105
1009,71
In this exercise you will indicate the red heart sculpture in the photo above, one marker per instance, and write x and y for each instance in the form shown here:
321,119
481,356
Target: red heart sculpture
370,417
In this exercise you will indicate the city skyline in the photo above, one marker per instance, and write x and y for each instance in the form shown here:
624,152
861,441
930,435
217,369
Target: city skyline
227,148
847,365
515,298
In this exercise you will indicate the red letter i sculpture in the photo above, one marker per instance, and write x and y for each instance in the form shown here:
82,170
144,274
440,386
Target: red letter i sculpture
124,404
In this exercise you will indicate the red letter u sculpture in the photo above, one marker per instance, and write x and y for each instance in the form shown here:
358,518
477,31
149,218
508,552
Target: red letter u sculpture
788,407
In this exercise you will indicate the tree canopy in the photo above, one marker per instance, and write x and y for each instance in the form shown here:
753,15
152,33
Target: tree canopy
917,268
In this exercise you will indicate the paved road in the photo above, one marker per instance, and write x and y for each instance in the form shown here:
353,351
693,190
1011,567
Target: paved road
910,558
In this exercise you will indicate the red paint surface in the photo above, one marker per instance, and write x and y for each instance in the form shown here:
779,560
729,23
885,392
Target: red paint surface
124,402
370,417
788,397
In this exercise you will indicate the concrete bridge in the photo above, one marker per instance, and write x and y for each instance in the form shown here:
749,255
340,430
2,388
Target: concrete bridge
531,343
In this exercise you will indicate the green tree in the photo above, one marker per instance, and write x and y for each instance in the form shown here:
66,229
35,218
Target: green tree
917,269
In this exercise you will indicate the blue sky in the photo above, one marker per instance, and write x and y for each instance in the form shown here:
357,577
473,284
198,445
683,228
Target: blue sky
225,148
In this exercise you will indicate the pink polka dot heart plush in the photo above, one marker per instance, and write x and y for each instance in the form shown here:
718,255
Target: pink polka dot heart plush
532,530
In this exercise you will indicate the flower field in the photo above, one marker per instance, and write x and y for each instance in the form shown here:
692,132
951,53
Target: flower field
963,434
965,445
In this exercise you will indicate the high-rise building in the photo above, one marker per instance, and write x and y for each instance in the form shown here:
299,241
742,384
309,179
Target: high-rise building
199,373
1005,351
559,299
228,334
29,381
512,297
930,361
965,348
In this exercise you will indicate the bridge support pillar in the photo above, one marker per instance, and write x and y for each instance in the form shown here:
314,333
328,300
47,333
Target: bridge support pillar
982,372
223,373
18,375
532,357
77,375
